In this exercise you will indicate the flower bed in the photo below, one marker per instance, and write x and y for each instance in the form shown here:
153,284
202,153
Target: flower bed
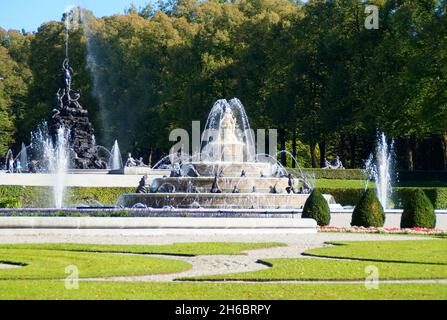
422,231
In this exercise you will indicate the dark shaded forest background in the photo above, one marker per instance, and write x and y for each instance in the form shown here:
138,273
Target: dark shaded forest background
310,70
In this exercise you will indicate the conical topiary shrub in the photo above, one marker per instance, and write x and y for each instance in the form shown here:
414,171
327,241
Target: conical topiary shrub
368,212
316,207
418,211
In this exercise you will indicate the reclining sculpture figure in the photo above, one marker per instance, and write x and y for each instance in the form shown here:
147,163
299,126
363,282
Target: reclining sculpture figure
337,164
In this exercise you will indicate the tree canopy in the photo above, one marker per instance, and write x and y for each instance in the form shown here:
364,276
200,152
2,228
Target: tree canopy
311,70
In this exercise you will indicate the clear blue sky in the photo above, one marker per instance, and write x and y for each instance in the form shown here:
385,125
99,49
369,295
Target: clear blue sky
30,14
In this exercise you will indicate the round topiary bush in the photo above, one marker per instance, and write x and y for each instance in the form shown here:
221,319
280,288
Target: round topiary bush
368,212
316,207
418,211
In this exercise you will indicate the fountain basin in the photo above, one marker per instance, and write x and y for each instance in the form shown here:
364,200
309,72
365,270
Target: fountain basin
167,225
128,171
217,200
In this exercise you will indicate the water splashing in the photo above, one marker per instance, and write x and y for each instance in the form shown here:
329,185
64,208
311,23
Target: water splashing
24,157
54,158
9,156
71,20
379,167
61,156
214,148
116,161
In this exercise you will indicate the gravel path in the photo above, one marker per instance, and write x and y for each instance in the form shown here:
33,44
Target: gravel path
201,266
7,266
137,236
226,264
207,264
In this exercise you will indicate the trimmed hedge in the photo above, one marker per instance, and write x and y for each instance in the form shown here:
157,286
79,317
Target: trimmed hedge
359,174
345,197
368,212
422,175
418,211
316,207
350,197
346,174
117,214
105,196
437,196
42,197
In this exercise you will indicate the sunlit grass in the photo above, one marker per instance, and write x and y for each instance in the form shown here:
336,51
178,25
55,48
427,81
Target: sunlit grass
41,290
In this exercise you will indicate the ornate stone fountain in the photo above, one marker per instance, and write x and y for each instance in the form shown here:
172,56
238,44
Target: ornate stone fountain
69,114
226,175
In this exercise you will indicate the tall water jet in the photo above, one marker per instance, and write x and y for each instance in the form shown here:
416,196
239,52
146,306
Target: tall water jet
24,157
61,157
9,156
71,19
116,161
227,136
53,155
380,167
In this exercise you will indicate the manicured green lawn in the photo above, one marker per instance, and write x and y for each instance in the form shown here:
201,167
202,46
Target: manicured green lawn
322,269
48,261
191,249
51,264
343,184
216,291
422,259
427,251
360,184
419,259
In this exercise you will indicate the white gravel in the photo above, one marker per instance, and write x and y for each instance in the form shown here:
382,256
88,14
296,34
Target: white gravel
7,266
144,236
201,265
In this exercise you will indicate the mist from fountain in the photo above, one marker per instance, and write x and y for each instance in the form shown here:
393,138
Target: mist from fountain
380,168
95,60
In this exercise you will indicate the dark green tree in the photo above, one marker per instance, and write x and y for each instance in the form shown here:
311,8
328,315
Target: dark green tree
317,208
368,212
418,211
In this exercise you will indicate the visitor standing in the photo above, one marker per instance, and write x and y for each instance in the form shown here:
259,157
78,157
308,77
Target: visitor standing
18,166
11,165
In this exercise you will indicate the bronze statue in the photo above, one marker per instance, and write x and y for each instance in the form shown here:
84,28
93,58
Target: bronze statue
142,186
67,75
215,187
69,114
